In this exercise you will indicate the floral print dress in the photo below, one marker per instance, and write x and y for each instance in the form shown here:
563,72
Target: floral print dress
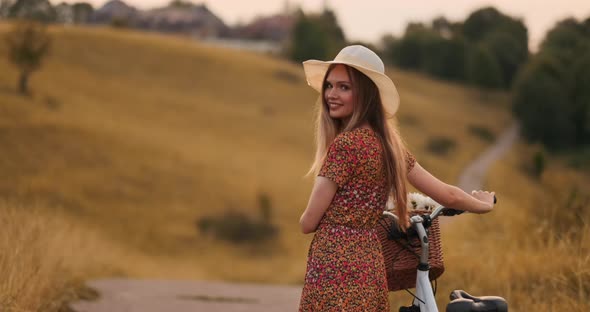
345,266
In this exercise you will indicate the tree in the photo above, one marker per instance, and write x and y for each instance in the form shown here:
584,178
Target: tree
509,53
408,51
28,44
541,103
483,69
181,4
334,34
316,36
581,99
566,41
551,97
445,28
438,50
444,58
483,22
38,10
82,12
441,25
505,37
387,48
587,26
308,40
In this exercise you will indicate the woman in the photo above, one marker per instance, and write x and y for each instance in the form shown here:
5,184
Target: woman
360,162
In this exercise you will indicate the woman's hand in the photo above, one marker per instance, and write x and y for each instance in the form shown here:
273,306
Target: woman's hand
486,197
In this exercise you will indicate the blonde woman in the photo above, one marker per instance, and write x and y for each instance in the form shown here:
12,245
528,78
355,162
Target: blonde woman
360,162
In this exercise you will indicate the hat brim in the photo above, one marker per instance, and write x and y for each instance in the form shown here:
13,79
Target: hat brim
315,71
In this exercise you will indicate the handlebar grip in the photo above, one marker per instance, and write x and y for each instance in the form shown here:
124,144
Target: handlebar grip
449,212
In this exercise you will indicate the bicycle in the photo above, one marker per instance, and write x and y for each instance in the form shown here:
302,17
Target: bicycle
424,300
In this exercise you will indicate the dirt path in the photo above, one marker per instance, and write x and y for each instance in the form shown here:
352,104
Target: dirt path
119,295
125,295
473,175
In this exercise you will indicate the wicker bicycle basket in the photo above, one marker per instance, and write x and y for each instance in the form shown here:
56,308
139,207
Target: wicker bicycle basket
401,253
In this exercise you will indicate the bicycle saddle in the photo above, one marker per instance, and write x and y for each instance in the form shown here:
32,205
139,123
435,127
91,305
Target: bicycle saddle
461,301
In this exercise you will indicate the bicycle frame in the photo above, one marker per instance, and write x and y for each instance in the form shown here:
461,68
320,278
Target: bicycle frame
424,294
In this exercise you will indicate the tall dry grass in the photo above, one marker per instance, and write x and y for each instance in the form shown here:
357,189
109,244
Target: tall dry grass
45,257
534,248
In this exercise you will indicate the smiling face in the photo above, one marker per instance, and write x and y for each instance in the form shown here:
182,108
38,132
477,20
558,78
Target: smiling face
338,95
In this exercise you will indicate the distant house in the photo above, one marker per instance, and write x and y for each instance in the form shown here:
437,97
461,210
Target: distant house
276,28
194,20
115,11
267,34
190,19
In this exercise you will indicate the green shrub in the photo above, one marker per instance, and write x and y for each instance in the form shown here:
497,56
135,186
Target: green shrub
482,133
237,227
440,145
120,22
286,76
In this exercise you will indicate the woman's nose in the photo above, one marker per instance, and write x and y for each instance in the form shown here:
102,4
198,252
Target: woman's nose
332,93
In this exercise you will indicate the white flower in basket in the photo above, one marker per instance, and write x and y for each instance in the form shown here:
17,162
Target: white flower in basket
416,201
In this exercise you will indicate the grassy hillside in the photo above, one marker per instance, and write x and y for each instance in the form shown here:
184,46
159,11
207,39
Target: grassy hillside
133,137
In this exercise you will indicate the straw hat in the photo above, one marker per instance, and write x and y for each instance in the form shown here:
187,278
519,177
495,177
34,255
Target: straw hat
367,62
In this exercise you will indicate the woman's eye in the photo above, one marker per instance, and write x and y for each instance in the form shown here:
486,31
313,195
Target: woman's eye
328,86
344,87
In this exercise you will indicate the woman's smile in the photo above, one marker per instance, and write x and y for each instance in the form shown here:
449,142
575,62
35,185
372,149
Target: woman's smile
334,105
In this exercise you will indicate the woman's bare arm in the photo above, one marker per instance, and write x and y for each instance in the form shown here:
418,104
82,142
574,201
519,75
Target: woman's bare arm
321,196
449,195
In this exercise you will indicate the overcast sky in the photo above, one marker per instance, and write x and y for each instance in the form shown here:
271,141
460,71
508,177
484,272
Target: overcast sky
369,20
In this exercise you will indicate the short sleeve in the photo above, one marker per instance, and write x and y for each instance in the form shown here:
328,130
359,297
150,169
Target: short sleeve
341,160
410,161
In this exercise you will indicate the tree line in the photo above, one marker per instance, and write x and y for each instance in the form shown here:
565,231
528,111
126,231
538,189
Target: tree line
485,50
489,50
43,11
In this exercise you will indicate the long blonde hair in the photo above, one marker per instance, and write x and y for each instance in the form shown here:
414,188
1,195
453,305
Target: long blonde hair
367,108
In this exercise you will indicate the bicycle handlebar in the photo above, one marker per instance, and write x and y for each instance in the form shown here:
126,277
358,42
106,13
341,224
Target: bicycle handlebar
438,211
449,212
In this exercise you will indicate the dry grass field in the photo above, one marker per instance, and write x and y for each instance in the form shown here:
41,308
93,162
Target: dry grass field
130,138
535,250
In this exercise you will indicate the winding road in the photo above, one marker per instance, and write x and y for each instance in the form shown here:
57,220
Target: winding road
127,295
